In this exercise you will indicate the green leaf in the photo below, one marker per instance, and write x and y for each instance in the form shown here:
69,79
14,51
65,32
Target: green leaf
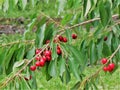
48,32
30,53
3,52
87,6
24,84
9,55
52,69
93,53
66,76
24,3
54,49
40,36
76,86
61,66
106,50
66,19
18,64
20,53
103,14
74,68
68,35
76,54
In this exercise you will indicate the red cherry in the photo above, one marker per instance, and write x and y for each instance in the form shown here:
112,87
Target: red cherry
47,41
48,58
105,69
37,58
111,67
104,61
37,51
47,53
60,38
105,38
37,63
44,58
42,63
74,36
32,68
64,39
59,52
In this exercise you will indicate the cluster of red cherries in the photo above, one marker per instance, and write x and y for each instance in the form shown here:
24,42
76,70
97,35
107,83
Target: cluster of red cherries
46,56
110,67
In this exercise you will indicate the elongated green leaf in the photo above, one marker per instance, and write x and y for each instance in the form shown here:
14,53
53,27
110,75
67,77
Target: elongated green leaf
76,54
3,52
24,84
106,50
103,14
30,53
40,36
93,53
20,53
52,69
68,35
18,64
9,55
24,3
76,86
87,6
66,77
54,49
74,68
61,66
48,32
66,19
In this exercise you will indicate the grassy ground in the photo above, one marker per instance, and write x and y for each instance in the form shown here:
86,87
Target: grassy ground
106,81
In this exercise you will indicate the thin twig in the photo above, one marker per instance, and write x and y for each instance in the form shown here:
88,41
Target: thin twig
97,72
17,42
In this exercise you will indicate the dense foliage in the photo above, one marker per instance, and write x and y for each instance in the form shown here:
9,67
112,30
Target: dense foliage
68,35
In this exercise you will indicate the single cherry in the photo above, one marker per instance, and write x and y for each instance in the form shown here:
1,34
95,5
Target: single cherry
37,58
37,63
104,61
37,51
32,68
59,52
42,63
60,38
64,39
105,69
111,67
48,58
44,58
47,53
74,36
